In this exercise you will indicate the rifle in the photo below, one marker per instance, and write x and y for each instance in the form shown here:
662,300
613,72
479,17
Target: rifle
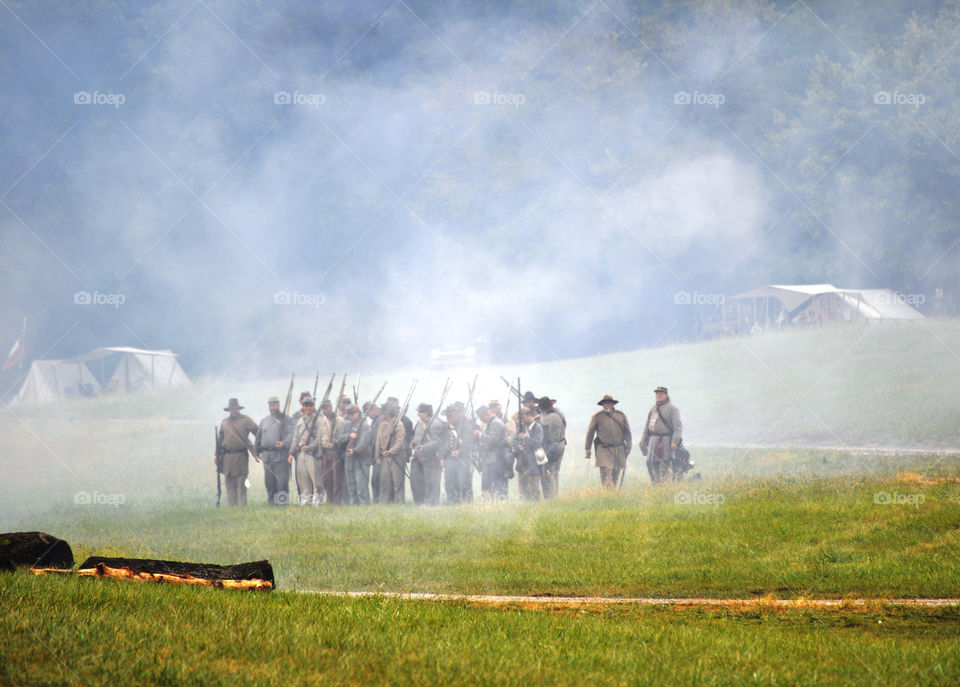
366,414
286,408
472,419
519,414
393,427
446,389
283,426
218,458
336,408
316,380
326,394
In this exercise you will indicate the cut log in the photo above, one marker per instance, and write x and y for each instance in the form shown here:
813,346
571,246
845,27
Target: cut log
34,550
256,570
125,573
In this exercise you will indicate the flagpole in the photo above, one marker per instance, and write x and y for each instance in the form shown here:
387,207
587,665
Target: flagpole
23,343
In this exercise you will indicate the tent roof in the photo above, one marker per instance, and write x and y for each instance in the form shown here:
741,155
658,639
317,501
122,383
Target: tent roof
791,295
98,353
885,303
880,304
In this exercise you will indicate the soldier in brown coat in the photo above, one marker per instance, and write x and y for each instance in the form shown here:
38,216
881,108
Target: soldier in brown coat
609,430
234,438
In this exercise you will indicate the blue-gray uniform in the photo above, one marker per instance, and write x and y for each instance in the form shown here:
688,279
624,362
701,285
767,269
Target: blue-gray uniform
425,468
524,448
356,461
274,437
554,444
493,444
457,468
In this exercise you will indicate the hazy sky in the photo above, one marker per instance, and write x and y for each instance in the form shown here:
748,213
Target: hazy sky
259,185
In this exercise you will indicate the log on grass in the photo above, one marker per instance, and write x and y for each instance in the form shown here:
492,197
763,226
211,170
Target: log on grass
102,571
255,570
34,550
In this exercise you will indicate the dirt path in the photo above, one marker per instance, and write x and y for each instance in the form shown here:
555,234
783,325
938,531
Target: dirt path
867,450
587,601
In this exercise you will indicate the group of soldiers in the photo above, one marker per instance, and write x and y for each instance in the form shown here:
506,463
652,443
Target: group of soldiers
344,453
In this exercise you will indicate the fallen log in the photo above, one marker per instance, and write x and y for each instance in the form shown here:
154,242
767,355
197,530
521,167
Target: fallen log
126,573
34,550
255,570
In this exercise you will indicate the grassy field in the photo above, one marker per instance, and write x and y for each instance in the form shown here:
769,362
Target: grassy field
133,476
883,385
789,535
72,631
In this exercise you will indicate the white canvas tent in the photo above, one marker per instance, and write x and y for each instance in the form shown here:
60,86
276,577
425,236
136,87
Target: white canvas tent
138,368
57,380
783,305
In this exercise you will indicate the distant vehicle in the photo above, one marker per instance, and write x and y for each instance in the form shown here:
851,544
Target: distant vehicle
453,357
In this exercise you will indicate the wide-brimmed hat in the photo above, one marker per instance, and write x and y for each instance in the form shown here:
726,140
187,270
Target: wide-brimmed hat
453,408
546,402
425,408
607,398
661,389
233,404
529,397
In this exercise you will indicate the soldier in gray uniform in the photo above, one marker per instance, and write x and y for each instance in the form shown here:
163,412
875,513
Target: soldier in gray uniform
357,472
273,444
529,438
312,432
363,450
333,472
455,456
611,430
425,470
662,433
492,440
235,467
390,452
554,444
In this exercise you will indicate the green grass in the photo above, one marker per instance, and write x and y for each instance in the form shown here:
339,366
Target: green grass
789,536
79,631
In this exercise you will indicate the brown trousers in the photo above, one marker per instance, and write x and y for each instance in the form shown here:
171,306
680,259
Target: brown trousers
334,476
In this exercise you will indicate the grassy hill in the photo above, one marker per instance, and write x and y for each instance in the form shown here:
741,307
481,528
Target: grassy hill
887,385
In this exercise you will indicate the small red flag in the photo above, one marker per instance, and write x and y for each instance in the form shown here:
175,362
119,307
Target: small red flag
16,354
